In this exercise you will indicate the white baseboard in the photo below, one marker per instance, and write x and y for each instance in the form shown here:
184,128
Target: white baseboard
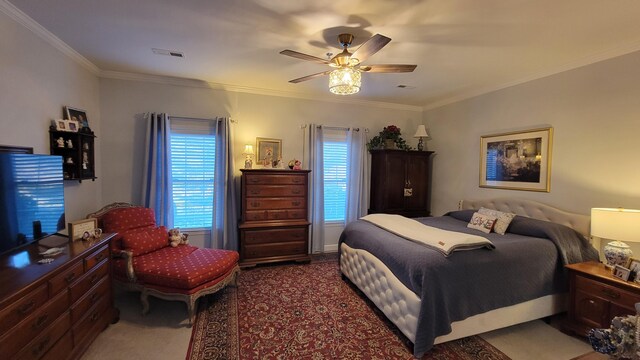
331,248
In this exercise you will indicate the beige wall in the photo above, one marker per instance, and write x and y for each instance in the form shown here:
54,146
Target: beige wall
36,81
124,101
595,113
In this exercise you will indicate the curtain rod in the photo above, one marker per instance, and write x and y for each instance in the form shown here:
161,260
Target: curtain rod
335,128
201,119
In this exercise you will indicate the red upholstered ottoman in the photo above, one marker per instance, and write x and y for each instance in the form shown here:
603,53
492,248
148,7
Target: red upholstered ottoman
145,262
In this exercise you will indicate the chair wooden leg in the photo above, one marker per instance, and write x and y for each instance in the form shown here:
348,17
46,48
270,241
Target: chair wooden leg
234,281
144,298
191,310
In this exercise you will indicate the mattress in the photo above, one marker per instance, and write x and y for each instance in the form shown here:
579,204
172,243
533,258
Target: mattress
426,305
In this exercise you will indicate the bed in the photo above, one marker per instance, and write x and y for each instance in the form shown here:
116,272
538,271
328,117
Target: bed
433,298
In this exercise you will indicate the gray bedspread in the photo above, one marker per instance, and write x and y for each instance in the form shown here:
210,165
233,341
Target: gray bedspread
527,263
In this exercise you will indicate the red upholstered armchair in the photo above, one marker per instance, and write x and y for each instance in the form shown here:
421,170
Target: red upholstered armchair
144,260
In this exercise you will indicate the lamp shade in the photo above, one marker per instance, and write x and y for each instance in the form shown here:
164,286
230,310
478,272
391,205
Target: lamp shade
345,81
616,224
248,150
421,132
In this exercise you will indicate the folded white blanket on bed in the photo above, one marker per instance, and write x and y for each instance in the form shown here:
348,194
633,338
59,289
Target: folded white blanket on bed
442,240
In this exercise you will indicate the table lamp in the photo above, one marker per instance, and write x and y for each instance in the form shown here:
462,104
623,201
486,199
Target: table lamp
619,225
248,153
421,133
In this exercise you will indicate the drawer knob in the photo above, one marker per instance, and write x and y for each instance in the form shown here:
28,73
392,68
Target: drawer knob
99,257
611,293
69,278
94,297
41,321
36,350
255,192
296,191
295,203
94,279
255,203
94,316
26,307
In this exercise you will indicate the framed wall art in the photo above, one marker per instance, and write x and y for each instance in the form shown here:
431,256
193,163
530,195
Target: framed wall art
77,115
268,151
517,160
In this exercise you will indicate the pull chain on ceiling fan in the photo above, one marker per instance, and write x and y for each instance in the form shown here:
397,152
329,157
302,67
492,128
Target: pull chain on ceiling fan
346,78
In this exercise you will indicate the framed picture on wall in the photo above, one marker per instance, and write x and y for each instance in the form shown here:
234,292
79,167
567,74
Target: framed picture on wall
517,160
77,115
268,151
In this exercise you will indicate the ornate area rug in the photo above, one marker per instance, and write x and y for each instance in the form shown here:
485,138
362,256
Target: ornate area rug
307,312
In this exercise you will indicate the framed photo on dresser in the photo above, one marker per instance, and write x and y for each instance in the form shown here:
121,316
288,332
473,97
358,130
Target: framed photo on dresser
517,160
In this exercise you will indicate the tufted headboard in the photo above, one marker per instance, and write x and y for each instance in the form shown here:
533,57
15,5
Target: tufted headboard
532,209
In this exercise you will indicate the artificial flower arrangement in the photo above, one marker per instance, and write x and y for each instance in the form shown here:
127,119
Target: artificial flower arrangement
390,132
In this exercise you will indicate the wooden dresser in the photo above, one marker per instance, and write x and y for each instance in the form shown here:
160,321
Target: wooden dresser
400,182
597,297
55,310
274,225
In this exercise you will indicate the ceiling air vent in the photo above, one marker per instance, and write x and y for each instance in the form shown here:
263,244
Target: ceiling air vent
168,52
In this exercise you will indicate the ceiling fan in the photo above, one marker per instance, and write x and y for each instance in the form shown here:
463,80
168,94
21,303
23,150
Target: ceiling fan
345,78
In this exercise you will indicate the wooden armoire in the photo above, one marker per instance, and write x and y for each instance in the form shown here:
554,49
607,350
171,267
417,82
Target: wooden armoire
400,182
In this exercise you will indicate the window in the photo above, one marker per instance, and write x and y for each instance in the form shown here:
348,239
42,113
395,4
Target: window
192,173
335,176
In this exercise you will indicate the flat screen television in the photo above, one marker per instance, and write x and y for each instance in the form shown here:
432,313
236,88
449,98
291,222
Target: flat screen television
31,198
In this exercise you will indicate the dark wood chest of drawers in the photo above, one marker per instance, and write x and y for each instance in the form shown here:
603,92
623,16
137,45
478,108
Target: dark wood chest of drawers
55,311
597,297
274,225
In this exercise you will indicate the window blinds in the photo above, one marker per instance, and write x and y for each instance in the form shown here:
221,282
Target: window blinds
335,177
193,152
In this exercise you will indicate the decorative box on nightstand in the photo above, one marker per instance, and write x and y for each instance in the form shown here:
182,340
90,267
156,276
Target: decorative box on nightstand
597,297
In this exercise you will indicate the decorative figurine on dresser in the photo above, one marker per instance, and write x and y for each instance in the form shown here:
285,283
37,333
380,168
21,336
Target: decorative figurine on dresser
274,225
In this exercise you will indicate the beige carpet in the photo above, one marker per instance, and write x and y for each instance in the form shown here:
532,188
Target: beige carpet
163,334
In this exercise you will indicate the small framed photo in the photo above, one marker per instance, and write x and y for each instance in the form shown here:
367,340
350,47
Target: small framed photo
78,115
634,267
268,151
621,272
78,230
73,125
61,125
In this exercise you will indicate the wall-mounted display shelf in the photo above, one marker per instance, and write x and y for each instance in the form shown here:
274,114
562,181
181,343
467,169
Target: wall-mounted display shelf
77,151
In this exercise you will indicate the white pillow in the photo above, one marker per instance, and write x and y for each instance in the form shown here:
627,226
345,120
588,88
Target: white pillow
482,222
503,219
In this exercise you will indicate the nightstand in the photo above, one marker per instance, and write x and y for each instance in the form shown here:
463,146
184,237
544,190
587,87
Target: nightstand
596,297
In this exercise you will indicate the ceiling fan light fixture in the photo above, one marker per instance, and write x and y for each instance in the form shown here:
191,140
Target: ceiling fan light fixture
345,81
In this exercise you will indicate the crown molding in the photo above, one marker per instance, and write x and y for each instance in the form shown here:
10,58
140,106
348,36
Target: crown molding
589,60
168,80
26,21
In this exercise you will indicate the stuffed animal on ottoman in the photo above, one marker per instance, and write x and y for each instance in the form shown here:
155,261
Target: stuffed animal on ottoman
176,237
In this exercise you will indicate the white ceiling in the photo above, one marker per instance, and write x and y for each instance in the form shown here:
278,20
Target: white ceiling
462,48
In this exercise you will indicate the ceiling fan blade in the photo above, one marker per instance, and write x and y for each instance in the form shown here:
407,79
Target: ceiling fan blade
309,77
371,47
388,68
299,55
